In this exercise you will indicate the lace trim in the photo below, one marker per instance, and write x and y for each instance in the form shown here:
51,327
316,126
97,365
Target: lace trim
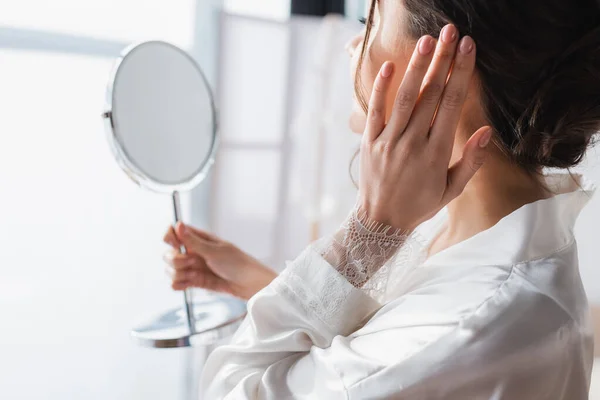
371,265
361,247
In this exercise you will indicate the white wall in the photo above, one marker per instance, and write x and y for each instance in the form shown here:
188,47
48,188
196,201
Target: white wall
266,9
587,231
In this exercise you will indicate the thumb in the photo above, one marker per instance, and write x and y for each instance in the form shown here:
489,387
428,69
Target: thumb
473,157
193,242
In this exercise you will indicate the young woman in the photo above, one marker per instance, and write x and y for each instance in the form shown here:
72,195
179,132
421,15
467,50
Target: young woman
458,124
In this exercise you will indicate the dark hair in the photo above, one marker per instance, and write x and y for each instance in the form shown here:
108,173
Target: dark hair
539,67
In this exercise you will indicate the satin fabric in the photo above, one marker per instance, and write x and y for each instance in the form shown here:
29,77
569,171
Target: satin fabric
502,315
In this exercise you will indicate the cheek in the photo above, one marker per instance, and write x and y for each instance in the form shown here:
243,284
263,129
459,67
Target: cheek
370,69
358,117
391,96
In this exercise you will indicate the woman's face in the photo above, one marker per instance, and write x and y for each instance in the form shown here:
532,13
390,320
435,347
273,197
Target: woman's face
388,42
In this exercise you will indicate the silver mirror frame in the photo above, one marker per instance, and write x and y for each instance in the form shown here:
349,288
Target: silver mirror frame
119,152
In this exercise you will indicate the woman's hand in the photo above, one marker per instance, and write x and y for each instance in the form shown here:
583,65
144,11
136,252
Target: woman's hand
404,167
213,264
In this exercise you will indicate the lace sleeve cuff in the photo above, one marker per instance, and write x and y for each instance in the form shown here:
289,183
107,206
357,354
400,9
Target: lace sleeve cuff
361,247
342,279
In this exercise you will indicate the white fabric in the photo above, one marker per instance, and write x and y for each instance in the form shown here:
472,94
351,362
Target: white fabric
502,315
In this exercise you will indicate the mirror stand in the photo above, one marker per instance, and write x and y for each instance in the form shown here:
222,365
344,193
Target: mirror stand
197,322
187,293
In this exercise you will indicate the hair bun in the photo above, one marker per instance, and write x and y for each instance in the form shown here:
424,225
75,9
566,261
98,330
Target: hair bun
557,127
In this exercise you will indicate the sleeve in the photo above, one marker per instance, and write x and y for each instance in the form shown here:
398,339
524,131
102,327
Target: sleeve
294,341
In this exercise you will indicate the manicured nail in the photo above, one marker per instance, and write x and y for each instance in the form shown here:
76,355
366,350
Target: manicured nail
425,45
387,69
448,33
485,138
466,45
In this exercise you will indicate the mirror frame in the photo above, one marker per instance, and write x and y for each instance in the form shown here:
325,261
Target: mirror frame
120,154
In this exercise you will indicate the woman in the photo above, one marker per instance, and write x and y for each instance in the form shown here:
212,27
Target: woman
494,306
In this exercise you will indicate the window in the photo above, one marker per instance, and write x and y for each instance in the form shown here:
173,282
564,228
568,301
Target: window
252,158
356,8
81,244
117,20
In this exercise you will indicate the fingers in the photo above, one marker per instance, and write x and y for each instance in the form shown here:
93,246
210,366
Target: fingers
377,109
171,239
453,98
203,234
189,271
193,241
409,89
202,278
434,82
188,275
182,285
181,261
463,170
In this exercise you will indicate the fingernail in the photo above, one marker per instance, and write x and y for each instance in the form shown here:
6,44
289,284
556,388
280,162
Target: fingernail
189,261
184,229
448,33
485,138
425,45
387,69
466,45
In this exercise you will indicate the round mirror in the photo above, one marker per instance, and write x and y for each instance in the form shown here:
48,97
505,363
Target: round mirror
162,117
161,125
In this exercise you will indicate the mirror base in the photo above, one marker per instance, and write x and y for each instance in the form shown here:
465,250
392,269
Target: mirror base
217,317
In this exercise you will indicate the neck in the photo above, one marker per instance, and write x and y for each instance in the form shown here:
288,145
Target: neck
496,190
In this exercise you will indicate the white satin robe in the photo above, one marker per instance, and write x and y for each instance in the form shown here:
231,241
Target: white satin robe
502,315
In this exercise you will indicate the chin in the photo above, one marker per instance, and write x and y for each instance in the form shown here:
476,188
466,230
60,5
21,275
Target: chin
357,121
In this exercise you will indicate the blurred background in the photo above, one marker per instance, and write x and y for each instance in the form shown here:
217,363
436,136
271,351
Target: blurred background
81,245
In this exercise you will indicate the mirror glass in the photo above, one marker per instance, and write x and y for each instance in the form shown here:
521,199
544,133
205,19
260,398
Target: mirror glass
163,118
